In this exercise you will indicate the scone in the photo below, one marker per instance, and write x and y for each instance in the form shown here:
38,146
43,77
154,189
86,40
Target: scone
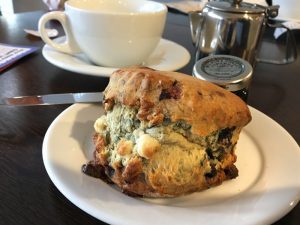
166,134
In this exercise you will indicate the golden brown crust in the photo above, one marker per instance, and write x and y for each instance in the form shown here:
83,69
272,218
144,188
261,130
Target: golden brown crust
159,94
141,164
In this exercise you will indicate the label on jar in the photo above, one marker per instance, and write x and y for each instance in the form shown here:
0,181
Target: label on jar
222,68
227,71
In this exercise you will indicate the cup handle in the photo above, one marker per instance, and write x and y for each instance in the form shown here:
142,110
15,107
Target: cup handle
69,46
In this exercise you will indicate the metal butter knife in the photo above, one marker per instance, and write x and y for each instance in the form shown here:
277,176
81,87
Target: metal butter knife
53,99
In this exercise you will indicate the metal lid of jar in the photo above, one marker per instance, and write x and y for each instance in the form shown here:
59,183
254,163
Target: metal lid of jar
229,72
236,6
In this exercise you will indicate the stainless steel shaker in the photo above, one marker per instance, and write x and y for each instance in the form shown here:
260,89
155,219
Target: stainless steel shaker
233,28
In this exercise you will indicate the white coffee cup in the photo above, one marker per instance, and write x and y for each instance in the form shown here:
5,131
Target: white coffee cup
111,33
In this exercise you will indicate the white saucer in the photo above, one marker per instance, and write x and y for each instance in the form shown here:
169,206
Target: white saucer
264,191
168,56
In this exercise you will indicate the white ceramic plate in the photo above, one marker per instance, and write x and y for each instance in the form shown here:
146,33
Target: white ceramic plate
168,56
267,187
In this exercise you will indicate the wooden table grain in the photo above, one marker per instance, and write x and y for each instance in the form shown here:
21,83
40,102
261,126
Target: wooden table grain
27,195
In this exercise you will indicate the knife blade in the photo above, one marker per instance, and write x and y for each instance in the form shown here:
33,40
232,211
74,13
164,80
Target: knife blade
53,99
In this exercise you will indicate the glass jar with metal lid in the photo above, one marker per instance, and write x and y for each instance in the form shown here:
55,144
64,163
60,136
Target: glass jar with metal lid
232,73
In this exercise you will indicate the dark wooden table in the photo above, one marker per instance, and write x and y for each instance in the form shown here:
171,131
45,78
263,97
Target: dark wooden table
27,195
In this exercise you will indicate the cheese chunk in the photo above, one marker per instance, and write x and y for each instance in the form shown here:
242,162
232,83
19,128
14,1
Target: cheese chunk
124,147
100,124
147,146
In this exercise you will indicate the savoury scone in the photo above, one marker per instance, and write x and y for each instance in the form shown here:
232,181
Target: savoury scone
167,134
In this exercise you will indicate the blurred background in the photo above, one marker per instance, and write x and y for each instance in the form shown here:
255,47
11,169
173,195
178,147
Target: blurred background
8,7
289,9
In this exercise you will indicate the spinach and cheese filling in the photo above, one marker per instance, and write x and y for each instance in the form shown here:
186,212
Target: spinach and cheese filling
168,151
166,134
